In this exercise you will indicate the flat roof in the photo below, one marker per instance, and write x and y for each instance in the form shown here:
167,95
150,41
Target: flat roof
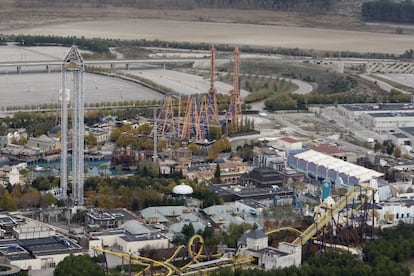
378,106
391,114
29,248
114,214
150,236
49,245
251,203
409,130
271,251
328,149
399,135
289,140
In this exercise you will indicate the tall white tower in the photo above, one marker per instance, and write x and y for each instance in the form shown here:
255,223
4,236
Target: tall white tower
73,65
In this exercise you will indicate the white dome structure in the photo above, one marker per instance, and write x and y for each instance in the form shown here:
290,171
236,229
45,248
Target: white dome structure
183,189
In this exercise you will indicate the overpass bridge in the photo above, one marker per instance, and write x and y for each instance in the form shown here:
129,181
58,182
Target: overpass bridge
48,66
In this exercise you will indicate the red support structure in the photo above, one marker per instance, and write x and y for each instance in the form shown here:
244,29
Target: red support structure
212,99
235,101
197,114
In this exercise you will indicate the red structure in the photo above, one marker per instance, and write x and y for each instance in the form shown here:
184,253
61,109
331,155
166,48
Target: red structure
190,117
234,114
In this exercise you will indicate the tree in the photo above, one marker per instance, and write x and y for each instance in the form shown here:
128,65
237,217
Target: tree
7,202
217,173
81,265
91,140
377,146
397,152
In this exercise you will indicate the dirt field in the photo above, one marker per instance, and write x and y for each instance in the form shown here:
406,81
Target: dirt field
11,17
236,34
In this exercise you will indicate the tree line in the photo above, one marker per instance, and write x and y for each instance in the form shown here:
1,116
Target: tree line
102,46
291,5
389,11
288,101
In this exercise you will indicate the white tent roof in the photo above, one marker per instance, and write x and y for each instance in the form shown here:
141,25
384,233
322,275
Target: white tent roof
352,170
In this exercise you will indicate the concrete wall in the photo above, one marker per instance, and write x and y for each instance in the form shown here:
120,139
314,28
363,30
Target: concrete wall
257,244
138,245
33,232
30,264
395,212
108,240
293,257
243,208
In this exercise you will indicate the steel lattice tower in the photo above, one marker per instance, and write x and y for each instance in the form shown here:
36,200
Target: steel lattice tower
73,64
212,99
235,101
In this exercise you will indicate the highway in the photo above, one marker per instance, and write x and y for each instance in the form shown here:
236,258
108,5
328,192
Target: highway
19,65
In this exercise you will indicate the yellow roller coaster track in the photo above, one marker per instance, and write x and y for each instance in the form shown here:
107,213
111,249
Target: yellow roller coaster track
332,211
171,269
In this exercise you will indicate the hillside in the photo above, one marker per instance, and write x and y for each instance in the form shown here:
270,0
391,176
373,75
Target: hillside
329,14
286,5
348,7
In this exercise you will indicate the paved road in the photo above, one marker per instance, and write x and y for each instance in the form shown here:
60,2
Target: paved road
383,85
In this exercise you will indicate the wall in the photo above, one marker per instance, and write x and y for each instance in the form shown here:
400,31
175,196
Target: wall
30,264
135,246
257,244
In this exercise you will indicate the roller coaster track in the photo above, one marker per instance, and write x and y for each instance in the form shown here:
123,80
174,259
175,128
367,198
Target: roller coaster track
332,211
171,270
195,255
291,229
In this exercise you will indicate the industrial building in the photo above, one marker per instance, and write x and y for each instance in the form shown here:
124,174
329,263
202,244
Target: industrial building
130,237
323,166
387,121
255,244
32,245
98,219
355,111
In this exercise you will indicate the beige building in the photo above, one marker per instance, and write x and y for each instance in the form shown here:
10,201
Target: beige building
44,142
288,143
231,171
131,237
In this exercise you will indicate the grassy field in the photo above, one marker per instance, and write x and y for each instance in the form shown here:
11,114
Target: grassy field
261,87
393,83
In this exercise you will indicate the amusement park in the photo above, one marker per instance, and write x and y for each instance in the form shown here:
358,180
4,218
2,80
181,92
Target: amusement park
341,226
169,181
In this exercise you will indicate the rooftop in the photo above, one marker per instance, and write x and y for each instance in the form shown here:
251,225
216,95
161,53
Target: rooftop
289,140
328,149
114,214
399,135
150,236
254,234
379,106
351,170
391,114
20,249
409,130
252,203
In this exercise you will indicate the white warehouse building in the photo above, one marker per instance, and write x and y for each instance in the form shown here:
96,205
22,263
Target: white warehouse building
323,166
388,121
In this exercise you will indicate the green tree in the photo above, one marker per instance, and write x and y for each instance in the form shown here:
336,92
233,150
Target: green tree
217,174
91,140
81,265
7,202
397,152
